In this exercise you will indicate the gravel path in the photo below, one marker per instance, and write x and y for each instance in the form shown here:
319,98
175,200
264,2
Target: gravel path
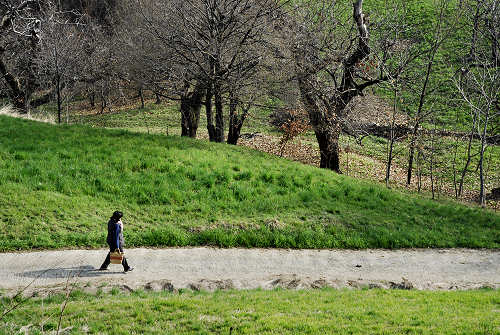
210,268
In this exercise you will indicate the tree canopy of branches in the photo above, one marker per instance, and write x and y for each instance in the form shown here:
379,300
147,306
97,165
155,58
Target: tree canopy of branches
20,27
215,49
333,64
43,50
478,80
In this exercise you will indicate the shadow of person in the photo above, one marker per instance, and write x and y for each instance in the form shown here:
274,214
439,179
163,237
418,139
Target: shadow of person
84,271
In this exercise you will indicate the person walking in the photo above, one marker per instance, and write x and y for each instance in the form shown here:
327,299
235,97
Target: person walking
115,240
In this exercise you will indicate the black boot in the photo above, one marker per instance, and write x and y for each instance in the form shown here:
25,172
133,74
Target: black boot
126,267
105,265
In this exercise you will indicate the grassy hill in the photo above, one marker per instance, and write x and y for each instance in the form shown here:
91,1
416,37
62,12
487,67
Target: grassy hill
59,185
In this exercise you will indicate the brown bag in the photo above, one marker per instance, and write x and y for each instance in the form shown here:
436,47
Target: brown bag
116,257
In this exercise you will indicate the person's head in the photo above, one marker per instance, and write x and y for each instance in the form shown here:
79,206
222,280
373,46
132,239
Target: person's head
117,215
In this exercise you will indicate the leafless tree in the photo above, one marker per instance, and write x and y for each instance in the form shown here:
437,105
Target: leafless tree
478,81
212,44
335,61
248,86
148,62
100,73
443,28
401,46
20,27
191,102
62,54
41,50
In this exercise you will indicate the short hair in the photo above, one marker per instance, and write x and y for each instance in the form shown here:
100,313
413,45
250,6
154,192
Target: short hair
117,215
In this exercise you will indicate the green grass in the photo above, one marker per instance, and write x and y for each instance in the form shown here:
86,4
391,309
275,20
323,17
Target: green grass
325,311
445,148
153,118
165,118
59,185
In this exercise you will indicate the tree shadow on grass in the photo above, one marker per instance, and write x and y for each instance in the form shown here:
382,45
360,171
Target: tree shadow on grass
84,271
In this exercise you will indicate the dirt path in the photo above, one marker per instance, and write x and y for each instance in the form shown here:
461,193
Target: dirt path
210,268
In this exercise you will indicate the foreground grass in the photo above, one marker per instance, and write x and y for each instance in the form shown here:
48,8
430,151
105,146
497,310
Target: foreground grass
59,184
325,311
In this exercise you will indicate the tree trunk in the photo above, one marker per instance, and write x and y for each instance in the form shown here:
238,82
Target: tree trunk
208,110
16,93
158,99
233,132
432,167
58,85
184,119
482,193
234,135
419,171
195,119
59,102
469,156
325,125
190,110
329,150
454,166
235,121
411,153
141,95
389,162
103,102
219,113
91,95
27,98
392,136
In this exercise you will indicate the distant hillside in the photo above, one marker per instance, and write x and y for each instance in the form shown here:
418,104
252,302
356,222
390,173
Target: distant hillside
59,185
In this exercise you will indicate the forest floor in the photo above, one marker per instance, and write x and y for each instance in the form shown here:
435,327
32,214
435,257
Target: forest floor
45,272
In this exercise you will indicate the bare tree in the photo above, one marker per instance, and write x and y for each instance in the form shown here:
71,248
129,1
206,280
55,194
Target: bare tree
401,46
41,51
62,54
442,31
248,84
211,43
478,81
100,73
333,65
148,62
20,27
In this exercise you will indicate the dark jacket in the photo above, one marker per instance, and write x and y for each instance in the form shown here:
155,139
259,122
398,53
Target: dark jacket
115,235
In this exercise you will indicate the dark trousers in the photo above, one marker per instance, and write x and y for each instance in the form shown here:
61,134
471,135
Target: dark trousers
108,260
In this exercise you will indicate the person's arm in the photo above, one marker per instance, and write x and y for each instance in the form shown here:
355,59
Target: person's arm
118,229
